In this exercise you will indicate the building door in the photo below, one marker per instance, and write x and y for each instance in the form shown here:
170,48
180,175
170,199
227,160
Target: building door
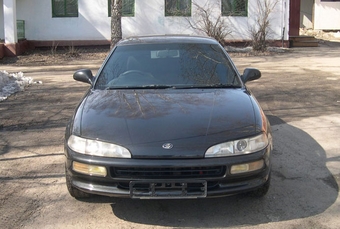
294,17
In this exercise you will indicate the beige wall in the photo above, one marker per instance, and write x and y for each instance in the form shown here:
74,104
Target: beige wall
327,15
306,14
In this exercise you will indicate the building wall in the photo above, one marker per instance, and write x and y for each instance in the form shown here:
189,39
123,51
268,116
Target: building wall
2,34
93,22
149,19
306,14
327,15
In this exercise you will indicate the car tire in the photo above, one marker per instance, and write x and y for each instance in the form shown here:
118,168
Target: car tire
262,191
74,192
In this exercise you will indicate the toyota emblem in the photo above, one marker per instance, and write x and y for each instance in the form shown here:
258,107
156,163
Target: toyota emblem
167,146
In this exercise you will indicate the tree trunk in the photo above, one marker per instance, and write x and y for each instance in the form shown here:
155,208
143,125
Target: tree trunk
116,21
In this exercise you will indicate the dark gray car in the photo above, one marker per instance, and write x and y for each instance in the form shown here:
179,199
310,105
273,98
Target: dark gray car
168,117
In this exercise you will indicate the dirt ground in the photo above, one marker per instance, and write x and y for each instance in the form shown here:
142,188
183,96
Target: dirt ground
59,56
299,91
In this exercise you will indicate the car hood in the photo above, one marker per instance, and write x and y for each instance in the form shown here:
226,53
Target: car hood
143,121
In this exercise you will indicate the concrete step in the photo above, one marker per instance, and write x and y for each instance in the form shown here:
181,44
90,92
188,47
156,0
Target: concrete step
303,41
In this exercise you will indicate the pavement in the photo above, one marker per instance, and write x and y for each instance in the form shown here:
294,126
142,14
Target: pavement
299,92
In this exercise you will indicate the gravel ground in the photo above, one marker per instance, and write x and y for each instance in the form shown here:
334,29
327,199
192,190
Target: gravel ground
61,56
299,91
69,56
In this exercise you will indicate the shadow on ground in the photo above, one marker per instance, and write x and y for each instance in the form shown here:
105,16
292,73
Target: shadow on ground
302,186
37,117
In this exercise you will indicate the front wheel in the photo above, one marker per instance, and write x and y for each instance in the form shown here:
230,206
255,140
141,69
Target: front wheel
74,192
262,191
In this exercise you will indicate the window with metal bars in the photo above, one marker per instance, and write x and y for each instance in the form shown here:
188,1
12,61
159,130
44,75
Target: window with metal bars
64,8
178,8
128,8
235,8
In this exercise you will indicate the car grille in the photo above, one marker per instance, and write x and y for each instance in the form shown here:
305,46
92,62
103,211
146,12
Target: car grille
168,173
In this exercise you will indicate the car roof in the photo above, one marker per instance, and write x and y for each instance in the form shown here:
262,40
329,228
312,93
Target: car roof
166,39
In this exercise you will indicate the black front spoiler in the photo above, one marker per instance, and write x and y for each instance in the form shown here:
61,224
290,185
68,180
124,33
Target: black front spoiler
171,189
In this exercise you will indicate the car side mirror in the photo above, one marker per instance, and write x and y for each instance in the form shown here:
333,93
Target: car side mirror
250,74
84,75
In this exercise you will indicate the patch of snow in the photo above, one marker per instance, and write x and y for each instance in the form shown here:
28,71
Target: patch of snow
238,50
12,83
337,35
276,49
248,49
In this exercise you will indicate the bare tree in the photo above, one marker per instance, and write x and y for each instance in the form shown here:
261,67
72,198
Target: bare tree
261,28
116,21
205,21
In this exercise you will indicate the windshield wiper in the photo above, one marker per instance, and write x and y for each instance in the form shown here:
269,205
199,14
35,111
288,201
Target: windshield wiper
140,87
173,86
208,86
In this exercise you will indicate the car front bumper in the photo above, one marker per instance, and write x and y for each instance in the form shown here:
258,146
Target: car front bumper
169,178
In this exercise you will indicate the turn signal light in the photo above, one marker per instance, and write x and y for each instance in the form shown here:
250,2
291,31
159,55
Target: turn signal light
248,167
91,170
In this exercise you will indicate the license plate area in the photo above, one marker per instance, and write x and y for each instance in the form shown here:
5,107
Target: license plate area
168,189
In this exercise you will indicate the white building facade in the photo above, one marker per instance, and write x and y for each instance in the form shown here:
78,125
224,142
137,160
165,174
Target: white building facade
89,20
320,14
327,15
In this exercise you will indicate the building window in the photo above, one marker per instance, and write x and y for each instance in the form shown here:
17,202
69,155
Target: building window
178,8
64,8
235,8
128,8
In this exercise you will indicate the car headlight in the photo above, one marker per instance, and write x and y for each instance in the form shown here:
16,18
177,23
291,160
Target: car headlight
97,148
238,147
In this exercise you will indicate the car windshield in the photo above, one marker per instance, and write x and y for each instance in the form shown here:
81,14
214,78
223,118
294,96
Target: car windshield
167,66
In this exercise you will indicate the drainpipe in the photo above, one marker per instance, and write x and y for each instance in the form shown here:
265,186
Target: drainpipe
284,7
